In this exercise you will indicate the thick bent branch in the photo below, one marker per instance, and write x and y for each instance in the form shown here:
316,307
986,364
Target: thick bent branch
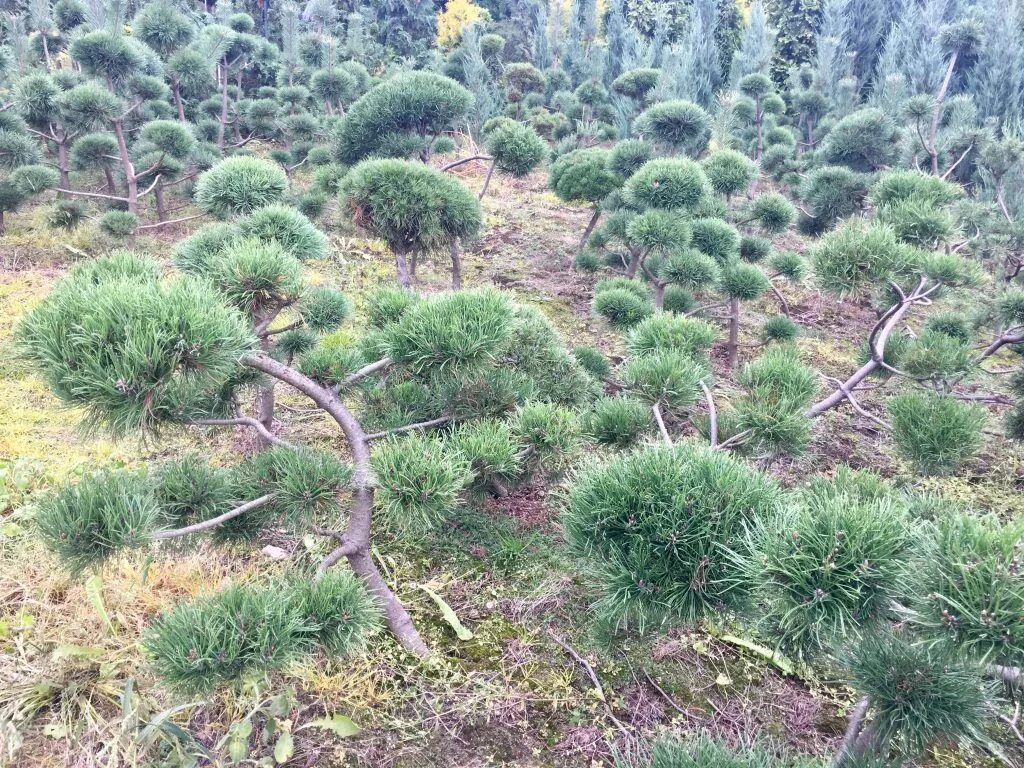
656,408
877,341
357,535
213,522
847,749
712,415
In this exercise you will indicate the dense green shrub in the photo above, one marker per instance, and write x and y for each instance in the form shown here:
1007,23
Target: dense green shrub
247,628
409,205
669,184
715,238
417,105
831,193
857,256
899,185
971,589
582,176
679,125
287,227
424,481
936,433
831,564
729,172
652,529
622,308
628,156
617,421
666,333
516,149
118,223
87,522
779,329
919,694
865,140
239,185
773,212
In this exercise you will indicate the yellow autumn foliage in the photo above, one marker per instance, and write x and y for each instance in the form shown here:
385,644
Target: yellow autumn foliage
456,16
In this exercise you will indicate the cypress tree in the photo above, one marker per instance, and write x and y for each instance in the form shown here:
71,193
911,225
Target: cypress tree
755,52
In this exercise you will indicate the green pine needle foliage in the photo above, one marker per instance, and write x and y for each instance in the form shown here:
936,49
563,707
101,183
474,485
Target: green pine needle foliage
237,186
617,421
133,353
287,227
669,377
583,176
549,433
245,629
492,451
305,483
665,332
386,305
715,238
652,528
729,172
593,361
857,256
707,751
341,615
87,522
936,355
773,212
195,253
330,365
452,332
669,184
779,389
256,276
636,287
324,309
919,694
779,329
419,481
831,564
189,489
971,587
622,307
935,433
409,205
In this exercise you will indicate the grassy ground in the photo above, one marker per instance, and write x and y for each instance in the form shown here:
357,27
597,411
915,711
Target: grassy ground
76,689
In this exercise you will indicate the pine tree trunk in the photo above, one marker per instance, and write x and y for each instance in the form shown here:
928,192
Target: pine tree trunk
357,534
487,179
109,176
131,180
734,331
590,228
634,262
223,106
759,119
456,266
659,294
62,165
402,270
176,90
158,197
940,97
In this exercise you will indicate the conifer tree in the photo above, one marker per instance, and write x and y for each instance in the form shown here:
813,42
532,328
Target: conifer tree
182,349
796,23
